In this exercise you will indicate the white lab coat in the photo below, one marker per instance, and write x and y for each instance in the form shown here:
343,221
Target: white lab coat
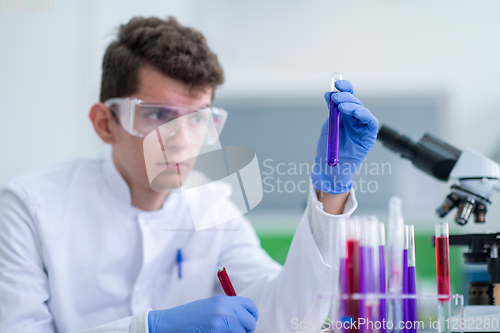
76,255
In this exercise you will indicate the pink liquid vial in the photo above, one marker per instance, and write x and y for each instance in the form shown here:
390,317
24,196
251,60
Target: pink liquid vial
442,241
353,279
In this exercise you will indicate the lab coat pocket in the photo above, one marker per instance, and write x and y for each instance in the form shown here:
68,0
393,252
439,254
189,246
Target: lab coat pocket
196,282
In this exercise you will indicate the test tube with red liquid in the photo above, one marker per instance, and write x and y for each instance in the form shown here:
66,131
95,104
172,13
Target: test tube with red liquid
442,241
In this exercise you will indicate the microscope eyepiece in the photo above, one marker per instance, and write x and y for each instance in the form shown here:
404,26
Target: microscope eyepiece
431,155
437,158
397,142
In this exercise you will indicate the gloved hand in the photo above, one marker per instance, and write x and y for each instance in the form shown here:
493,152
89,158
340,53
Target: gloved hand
218,314
358,132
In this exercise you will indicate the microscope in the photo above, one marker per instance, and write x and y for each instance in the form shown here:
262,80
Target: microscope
476,178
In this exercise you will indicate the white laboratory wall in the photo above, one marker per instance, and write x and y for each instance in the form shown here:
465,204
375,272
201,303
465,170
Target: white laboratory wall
50,61
50,76
274,47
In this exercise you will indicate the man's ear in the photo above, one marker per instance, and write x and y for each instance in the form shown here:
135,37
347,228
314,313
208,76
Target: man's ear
105,125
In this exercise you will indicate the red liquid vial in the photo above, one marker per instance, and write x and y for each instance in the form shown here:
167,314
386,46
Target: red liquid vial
442,242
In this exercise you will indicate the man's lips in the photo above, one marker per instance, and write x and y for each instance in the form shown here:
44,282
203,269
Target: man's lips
173,166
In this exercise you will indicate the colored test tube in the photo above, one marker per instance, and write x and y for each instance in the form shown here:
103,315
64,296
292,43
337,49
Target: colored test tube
342,242
225,282
332,150
412,288
370,274
442,258
353,268
382,311
442,242
364,273
395,258
405,276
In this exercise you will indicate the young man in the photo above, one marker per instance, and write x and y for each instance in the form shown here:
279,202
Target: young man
88,245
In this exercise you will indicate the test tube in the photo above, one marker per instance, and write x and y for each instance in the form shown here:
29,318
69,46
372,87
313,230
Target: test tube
382,308
332,150
374,254
342,237
442,241
412,288
364,272
370,259
405,276
353,268
395,258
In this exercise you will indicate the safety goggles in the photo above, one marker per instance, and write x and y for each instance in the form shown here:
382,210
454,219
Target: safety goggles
140,117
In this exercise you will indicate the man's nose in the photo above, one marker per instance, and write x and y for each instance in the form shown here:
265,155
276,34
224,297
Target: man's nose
179,137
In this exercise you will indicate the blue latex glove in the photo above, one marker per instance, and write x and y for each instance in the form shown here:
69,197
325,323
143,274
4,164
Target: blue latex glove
358,132
218,314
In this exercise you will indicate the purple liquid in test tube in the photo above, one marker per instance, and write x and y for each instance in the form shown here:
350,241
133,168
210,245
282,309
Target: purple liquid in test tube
405,277
382,278
353,270
332,148
362,282
395,246
412,288
343,285
369,308
369,271
342,237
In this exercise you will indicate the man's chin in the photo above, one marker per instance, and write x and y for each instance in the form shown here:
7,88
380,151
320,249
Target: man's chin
168,181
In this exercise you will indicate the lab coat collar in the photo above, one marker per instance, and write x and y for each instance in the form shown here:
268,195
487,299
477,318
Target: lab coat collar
176,199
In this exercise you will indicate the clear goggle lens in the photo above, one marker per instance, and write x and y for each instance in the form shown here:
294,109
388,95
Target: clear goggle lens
140,118
196,126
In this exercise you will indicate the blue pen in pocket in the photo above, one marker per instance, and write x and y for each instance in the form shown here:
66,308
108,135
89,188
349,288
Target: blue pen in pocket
179,261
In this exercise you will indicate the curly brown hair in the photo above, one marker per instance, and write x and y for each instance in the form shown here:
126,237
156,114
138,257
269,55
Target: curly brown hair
179,52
